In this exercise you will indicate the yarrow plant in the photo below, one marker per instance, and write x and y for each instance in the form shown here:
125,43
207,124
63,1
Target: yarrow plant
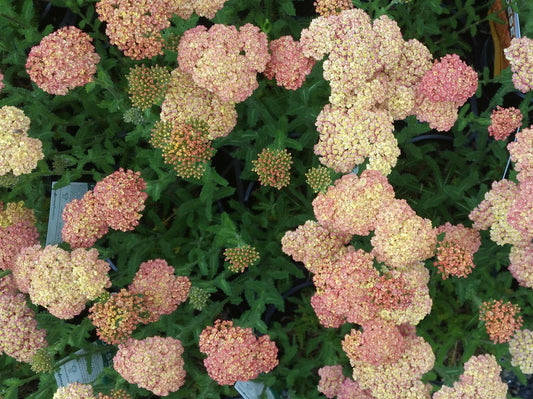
502,319
241,258
272,167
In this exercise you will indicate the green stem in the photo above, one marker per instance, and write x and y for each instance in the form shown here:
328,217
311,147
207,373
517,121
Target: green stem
4,273
14,20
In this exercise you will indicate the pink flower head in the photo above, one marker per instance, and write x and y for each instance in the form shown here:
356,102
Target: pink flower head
331,378
61,281
402,238
185,101
400,378
185,146
521,264
2,85
160,289
20,337
469,238
453,260
351,389
441,115
521,350
224,60
520,56
504,121
153,363
83,222
450,79
121,196
64,59
17,231
273,167
501,319
20,153
288,64
520,214
148,17
75,390
481,379
117,316
348,136
352,204
326,8
203,8
312,244
521,152
241,258
235,354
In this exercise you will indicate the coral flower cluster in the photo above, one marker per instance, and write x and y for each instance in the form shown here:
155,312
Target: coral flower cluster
185,146
520,56
504,121
19,336
376,77
63,60
154,291
17,231
502,319
115,202
235,354
272,166
20,153
333,383
241,258
224,60
153,363
61,281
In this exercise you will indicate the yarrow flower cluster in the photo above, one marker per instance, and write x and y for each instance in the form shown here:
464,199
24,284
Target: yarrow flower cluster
198,297
319,178
333,383
147,85
61,281
75,390
272,166
117,316
63,60
20,153
521,151
19,336
521,350
148,17
153,363
481,379
288,64
235,354
42,361
224,60
185,146
502,319
162,292
203,8
186,101
326,8
17,231
241,258
504,121
115,202
520,56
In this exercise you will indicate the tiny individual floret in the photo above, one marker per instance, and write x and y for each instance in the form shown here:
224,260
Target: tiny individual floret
521,350
116,318
121,196
502,319
235,354
288,64
520,54
153,363
147,85
273,167
185,146
64,59
326,8
241,258
42,361
504,121
319,178
75,390
198,297
160,289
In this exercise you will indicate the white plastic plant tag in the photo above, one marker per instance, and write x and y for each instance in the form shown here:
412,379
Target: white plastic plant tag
60,198
252,390
76,370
